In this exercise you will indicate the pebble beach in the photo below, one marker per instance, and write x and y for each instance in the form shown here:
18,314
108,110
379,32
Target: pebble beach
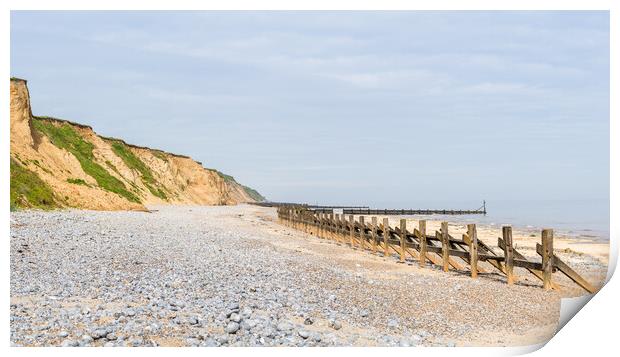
234,276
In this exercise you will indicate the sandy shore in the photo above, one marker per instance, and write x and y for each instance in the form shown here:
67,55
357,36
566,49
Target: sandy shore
589,256
233,276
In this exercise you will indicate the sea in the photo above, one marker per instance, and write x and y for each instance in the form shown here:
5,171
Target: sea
579,218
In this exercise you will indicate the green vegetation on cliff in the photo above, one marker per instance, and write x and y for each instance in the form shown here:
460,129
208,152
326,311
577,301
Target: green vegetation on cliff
249,191
77,181
253,193
133,162
28,190
65,137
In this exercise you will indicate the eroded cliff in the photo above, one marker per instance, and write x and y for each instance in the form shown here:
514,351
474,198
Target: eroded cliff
57,163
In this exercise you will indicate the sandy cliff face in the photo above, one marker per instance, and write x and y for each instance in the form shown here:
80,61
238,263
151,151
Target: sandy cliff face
21,134
89,171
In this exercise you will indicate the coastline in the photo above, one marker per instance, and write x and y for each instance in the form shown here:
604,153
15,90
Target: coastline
184,255
588,255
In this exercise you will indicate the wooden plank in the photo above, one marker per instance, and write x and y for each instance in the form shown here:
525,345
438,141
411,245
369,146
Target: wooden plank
351,230
330,219
445,246
547,257
343,226
403,238
480,269
537,272
431,248
473,250
337,227
412,251
483,248
411,246
362,233
374,234
422,239
527,264
569,272
386,236
508,254
316,223
460,246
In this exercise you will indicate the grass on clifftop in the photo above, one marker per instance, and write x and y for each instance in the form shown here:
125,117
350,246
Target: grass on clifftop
249,191
65,137
28,190
253,194
133,162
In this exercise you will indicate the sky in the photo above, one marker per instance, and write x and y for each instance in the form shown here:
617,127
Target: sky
388,109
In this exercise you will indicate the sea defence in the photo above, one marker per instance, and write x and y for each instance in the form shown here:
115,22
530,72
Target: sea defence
438,248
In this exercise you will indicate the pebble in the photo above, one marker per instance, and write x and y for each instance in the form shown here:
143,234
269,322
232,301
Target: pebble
232,327
335,324
70,343
303,333
235,317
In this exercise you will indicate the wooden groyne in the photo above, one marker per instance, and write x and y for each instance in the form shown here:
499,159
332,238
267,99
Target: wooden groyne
304,205
438,248
364,210
406,212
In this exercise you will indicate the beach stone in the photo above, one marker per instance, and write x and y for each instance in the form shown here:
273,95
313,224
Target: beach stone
232,327
98,333
70,343
335,324
235,317
284,326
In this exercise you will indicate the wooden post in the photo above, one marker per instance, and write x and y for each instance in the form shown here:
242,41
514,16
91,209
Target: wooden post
343,225
445,245
314,226
362,233
337,227
547,257
422,237
330,232
473,249
386,235
374,234
339,231
290,217
343,221
352,231
403,239
508,254
304,221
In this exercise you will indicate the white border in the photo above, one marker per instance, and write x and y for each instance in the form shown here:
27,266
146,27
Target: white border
591,331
